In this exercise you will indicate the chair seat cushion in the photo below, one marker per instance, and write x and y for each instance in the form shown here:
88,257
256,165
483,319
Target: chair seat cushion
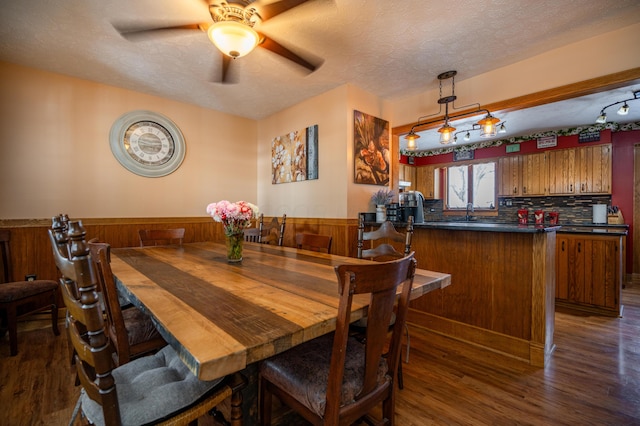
10,292
140,327
303,372
151,388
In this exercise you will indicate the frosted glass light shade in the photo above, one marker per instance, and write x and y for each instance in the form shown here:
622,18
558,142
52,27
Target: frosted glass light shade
233,38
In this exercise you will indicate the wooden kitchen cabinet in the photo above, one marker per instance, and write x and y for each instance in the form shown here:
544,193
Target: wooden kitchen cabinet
509,175
408,173
522,175
595,169
589,272
427,182
562,171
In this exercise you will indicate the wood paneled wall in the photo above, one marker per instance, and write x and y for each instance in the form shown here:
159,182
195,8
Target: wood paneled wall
31,250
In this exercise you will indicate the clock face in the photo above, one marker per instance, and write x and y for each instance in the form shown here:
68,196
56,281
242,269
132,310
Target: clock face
147,143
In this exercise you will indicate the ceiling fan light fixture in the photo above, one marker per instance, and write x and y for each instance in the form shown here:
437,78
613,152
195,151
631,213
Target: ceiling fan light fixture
233,38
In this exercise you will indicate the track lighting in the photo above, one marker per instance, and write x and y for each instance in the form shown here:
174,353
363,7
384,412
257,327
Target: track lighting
623,110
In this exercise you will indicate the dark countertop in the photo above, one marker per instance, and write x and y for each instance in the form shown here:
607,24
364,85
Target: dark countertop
486,227
593,229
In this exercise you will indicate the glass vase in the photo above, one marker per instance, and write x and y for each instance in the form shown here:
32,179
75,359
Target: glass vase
234,247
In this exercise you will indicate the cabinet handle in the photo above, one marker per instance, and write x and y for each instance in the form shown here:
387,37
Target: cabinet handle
582,188
515,190
571,188
579,247
524,189
563,246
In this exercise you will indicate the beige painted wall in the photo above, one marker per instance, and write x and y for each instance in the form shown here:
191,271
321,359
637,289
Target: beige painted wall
333,195
55,155
594,57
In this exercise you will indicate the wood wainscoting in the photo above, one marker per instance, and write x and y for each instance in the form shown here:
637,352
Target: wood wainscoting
31,249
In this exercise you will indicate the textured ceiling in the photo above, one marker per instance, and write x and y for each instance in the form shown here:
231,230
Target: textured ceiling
390,49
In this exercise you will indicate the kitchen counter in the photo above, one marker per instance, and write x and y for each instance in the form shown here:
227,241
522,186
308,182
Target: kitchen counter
513,227
504,279
487,227
594,229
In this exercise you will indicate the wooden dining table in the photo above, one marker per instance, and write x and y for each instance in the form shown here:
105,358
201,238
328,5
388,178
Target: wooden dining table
221,317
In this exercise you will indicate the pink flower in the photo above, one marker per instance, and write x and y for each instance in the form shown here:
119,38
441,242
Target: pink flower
234,216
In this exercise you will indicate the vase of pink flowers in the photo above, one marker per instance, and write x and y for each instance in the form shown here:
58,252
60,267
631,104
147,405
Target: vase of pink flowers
235,217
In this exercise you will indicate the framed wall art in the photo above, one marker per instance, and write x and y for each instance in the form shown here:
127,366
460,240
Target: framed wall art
294,156
371,149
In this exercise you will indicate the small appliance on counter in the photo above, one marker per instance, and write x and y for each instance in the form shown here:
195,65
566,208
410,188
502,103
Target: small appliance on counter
599,214
553,218
412,204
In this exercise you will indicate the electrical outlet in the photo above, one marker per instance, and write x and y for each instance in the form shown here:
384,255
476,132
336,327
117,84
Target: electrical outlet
30,277
508,203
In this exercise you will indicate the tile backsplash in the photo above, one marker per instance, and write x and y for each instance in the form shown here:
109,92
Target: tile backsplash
575,209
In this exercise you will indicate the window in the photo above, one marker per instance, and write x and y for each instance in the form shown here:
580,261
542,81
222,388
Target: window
471,183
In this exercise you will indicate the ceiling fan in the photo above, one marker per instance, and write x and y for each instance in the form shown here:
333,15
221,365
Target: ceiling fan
232,32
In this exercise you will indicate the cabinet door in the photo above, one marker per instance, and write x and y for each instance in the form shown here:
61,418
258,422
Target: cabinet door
589,270
408,173
562,171
576,265
562,267
602,277
595,169
534,176
425,181
509,175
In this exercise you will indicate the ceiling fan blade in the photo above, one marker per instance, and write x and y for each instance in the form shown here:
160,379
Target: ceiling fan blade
277,7
226,61
279,49
134,33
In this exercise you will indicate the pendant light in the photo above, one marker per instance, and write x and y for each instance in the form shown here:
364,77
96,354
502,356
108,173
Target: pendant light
487,125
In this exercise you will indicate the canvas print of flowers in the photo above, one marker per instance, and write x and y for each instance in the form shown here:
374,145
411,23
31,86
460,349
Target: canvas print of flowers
294,156
372,156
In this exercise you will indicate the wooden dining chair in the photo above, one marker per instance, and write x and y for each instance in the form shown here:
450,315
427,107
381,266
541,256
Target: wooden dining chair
161,237
156,389
313,242
336,379
21,298
131,331
385,236
251,235
273,233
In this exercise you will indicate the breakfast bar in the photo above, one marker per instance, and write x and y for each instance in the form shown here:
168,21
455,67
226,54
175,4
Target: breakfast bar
503,285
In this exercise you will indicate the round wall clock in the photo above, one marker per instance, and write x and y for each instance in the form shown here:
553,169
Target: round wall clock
147,143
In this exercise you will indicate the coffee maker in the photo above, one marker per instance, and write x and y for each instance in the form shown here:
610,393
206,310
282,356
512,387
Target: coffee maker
412,204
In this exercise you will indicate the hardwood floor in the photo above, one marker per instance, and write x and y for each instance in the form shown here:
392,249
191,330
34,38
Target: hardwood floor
593,378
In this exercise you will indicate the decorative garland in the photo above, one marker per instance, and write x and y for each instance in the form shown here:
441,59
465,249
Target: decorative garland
614,127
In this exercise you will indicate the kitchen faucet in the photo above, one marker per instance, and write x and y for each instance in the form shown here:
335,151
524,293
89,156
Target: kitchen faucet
469,209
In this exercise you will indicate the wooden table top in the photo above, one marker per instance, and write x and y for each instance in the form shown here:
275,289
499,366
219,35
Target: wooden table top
221,317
